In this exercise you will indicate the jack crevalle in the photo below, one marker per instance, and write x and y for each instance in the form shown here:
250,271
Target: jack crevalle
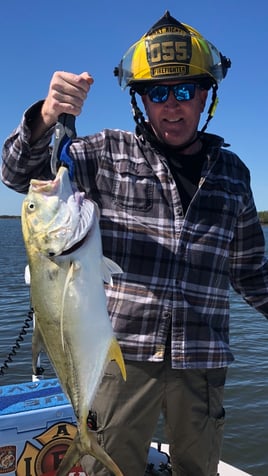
67,269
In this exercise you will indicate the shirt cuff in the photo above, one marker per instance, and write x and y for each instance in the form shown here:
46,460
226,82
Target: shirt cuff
30,116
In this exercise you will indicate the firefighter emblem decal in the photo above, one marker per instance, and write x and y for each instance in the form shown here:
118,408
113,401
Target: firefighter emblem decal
44,459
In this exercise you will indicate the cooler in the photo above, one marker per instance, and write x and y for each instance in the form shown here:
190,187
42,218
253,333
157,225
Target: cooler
37,425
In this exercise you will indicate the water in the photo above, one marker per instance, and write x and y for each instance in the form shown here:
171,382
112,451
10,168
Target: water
15,306
246,394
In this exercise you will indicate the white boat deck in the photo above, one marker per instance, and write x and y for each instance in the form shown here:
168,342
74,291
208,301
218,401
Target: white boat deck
224,468
228,470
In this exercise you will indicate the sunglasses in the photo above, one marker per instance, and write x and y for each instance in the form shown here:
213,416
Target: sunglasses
160,93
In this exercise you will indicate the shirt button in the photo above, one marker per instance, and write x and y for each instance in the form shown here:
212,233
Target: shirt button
167,314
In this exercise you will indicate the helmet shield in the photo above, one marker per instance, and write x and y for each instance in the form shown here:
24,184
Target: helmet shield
171,51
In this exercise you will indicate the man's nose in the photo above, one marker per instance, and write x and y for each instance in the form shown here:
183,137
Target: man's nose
171,100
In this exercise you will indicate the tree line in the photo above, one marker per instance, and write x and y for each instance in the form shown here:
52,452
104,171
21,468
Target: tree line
263,216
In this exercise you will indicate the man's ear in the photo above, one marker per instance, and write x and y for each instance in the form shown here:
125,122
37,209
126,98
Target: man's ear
144,102
203,99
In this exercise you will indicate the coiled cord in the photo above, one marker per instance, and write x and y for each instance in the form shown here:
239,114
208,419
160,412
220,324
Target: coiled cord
16,346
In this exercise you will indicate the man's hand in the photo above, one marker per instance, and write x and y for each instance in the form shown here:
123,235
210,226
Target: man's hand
67,93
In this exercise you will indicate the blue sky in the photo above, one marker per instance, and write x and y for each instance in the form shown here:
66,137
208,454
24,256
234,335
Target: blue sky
38,38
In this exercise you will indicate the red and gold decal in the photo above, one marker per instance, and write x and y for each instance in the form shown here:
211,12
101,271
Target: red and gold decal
45,459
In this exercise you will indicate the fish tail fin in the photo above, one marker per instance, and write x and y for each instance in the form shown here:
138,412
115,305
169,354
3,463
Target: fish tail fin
116,354
82,446
71,457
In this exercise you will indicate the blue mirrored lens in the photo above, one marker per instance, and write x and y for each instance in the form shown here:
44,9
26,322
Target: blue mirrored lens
158,93
182,92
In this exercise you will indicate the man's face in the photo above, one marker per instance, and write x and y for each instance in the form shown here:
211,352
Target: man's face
175,122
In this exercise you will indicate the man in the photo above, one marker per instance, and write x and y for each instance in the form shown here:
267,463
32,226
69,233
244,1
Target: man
177,214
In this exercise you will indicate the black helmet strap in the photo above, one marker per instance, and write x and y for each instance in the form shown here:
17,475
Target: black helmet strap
212,107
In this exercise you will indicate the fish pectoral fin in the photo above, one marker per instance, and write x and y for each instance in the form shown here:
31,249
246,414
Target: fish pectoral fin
115,353
109,267
68,280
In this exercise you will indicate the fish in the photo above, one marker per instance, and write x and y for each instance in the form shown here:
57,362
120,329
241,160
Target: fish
67,269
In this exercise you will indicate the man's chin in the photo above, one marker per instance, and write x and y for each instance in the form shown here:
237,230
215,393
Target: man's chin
172,141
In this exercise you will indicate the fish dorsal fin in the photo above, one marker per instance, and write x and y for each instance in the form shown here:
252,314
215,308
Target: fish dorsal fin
115,353
109,267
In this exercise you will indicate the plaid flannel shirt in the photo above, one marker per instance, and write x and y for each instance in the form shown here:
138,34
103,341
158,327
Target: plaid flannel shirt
177,269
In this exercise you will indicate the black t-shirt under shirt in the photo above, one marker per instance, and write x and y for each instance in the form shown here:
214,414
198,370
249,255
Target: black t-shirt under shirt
186,170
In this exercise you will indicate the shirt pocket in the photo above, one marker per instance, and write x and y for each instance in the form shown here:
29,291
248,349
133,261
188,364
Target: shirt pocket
133,186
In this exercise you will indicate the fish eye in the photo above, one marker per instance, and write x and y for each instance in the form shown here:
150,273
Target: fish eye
31,206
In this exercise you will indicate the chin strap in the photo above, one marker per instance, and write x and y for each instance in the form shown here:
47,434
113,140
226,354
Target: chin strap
212,107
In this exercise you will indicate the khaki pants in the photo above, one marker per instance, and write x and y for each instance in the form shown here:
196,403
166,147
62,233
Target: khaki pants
127,415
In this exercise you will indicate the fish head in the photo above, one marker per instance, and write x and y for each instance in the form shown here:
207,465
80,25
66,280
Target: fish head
55,216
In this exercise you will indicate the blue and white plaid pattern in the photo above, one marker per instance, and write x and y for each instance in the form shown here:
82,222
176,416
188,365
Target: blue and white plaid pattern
177,269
